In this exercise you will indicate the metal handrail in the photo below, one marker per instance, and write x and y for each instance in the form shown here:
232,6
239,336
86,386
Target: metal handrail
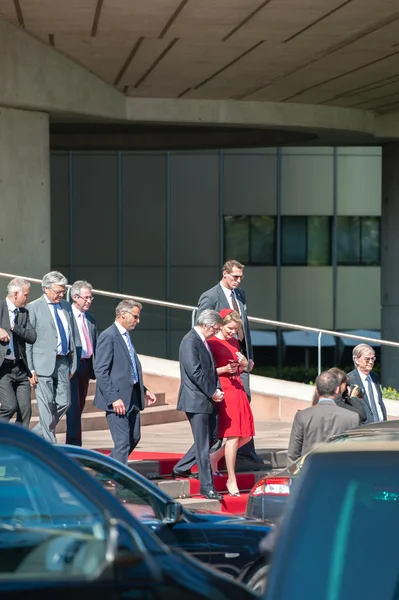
261,321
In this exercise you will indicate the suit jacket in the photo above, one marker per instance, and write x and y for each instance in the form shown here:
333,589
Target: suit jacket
355,379
42,355
316,424
198,377
93,332
216,299
23,332
114,372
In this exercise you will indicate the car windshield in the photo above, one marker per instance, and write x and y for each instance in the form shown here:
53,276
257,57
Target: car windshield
48,530
344,529
136,499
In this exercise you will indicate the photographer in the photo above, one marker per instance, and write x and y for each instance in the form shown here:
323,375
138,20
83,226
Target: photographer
350,397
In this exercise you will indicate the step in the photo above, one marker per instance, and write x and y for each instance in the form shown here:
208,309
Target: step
96,421
201,503
89,406
230,504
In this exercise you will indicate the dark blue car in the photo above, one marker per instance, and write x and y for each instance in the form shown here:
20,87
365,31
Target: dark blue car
226,542
61,533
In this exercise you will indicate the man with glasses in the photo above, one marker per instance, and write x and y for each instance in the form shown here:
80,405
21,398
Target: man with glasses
228,294
363,376
199,390
52,359
120,390
85,337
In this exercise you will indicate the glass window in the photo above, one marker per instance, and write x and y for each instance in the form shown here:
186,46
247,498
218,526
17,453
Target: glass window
236,238
293,240
48,529
262,240
319,241
370,240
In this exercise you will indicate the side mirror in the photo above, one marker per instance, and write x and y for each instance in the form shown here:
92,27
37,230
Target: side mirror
173,513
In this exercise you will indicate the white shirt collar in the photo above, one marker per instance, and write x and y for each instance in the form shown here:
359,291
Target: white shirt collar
11,306
226,291
120,328
363,377
78,313
200,334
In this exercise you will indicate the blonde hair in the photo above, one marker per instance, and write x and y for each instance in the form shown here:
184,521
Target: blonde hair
233,316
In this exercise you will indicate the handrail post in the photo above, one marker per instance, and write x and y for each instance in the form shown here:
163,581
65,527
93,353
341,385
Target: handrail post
319,353
193,317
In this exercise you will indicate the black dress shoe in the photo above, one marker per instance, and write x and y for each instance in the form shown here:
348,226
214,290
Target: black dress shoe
212,495
178,474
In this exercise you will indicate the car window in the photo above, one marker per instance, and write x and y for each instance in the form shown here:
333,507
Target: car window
47,528
136,499
343,532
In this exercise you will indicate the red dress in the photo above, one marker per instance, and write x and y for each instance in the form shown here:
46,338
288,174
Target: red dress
235,415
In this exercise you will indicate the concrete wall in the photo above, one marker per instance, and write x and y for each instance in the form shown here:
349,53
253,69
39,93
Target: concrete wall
151,224
24,194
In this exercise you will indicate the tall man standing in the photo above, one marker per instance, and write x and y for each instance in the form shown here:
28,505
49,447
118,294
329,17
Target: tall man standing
15,330
362,375
52,359
120,390
199,389
85,336
228,294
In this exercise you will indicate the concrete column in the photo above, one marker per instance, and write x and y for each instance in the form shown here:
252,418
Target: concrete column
24,194
389,265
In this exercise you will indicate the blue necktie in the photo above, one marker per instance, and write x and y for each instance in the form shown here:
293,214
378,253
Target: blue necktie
132,356
373,404
64,341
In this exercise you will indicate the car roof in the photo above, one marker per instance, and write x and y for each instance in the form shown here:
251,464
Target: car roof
381,443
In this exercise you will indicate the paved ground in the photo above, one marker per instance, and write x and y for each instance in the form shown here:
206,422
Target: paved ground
176,437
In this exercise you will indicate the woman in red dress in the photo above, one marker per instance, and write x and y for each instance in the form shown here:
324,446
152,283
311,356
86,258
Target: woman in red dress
235,420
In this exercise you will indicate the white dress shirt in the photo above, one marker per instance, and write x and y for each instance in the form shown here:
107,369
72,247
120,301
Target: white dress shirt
11,307
365,383
63,320
79,318
228,293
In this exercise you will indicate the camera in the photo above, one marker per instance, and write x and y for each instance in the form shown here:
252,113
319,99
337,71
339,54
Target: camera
360,391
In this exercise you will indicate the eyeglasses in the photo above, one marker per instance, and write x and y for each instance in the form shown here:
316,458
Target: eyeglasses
369,358
88,299
135,317
215,329
237,277
57,293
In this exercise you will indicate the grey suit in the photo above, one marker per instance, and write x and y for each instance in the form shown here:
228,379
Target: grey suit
355,379
52,370
80,380
215,298
14,383
198,383
316,424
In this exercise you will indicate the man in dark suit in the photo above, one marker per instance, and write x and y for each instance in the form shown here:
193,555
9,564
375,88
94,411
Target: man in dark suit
15,331
120,390
228,294
362,375
317,423
85,336
52,359
199,389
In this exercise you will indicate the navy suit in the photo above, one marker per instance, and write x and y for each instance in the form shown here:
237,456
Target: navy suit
355,379
114,373
198,383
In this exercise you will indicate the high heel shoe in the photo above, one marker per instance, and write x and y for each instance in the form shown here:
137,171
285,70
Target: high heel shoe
235,494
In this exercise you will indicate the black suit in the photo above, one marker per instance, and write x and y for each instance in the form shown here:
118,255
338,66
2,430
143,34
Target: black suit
80,381
198,383
215,298
355,379
14,384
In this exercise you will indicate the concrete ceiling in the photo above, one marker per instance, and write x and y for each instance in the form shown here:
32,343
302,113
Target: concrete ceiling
328,52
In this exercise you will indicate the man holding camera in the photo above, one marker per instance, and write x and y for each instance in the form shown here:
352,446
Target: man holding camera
363,376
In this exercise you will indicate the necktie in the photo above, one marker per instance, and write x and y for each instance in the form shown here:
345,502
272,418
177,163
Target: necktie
371,396
89,345
132,356
61,330
14,341
237,309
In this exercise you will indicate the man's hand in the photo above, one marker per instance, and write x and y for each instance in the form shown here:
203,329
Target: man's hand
150,397
71,375
33,379
218,396
4,336
119,407
251,365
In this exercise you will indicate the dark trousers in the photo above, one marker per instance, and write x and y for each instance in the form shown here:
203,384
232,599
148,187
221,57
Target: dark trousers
201,426
15,392
125,429
79,386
